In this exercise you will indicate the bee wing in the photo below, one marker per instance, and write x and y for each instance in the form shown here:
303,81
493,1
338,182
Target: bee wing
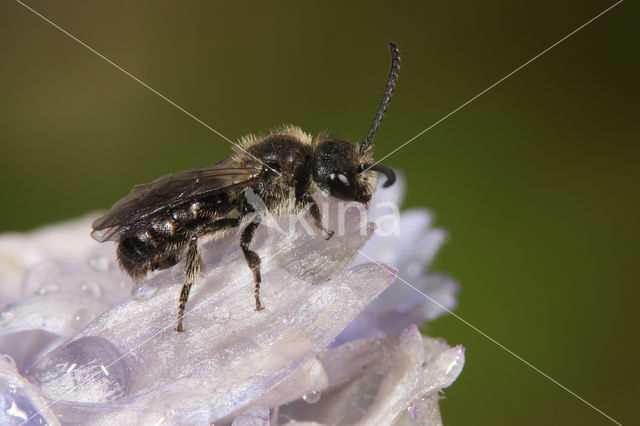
172,190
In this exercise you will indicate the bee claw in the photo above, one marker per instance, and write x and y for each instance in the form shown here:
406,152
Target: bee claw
329,234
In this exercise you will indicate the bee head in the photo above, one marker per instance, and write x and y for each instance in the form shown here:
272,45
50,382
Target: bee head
340,169
347,171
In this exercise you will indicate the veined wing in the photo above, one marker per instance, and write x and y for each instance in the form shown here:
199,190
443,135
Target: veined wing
170,191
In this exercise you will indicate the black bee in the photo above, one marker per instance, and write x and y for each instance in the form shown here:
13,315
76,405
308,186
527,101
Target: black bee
158,224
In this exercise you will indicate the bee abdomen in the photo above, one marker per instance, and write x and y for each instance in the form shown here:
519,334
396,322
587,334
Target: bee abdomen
157,247
133,255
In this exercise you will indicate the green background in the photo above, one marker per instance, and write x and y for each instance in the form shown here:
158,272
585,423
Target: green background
536,180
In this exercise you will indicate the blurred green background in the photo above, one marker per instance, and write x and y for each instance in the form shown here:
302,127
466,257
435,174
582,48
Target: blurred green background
536,181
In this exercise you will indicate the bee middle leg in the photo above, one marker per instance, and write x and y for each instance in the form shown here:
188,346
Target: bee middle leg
252,258
192,268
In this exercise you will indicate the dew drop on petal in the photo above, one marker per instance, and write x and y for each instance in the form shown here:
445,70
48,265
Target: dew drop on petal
312,397
92,288
100,263
82,317
38,276
288,319
48,288
6,317
145,292
90,369
9,360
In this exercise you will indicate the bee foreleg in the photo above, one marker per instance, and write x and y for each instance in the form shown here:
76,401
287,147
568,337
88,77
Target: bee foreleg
316,214
252,258
193,265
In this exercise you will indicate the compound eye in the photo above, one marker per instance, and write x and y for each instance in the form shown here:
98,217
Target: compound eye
341,186
342,178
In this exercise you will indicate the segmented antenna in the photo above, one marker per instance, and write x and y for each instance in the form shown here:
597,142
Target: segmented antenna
386,97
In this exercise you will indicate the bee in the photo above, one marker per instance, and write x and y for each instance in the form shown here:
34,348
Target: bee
159,224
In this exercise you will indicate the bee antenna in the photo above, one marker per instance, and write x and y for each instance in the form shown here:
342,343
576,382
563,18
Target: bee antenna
386,97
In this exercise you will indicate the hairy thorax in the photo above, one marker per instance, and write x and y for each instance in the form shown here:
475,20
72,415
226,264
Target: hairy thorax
285,175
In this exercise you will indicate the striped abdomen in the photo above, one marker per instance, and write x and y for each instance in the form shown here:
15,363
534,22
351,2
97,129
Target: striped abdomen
159,245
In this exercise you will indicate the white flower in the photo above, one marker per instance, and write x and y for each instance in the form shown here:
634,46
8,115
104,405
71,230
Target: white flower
83,347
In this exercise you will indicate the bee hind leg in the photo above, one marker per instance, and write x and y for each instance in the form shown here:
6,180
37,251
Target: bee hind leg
252,258
193,266
193,260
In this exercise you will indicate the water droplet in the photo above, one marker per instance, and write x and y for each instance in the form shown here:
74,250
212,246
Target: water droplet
170,413
6,317
82,317
288,320
8,359
48,288
13,388
91,288
90,369
39,275
100,263
145,292
312,397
